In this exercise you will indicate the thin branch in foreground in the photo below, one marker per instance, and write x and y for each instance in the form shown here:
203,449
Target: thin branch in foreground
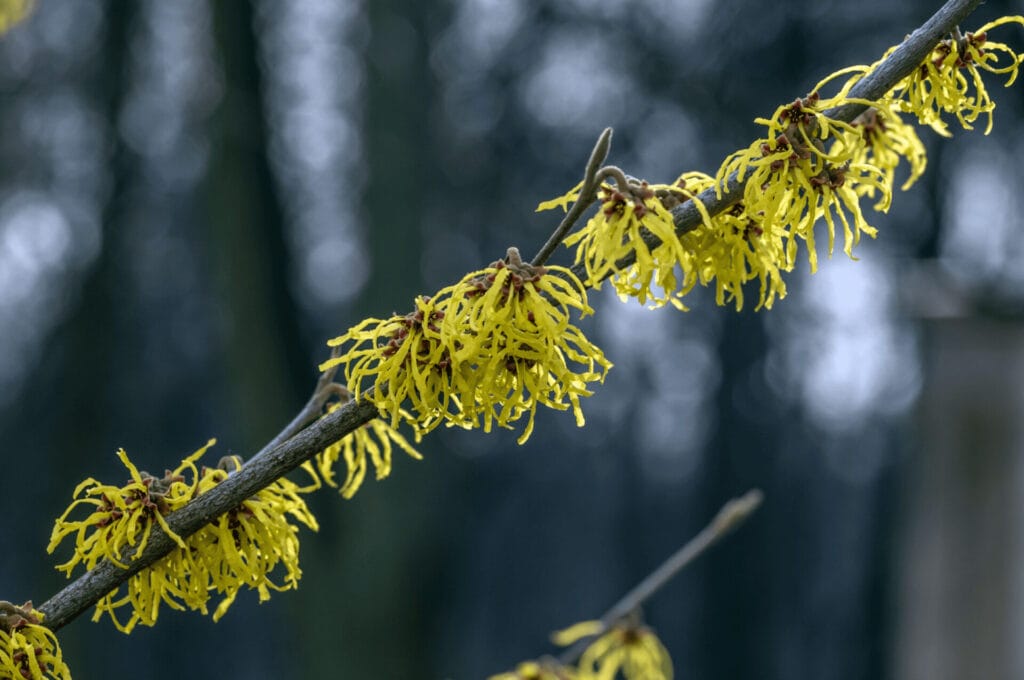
275,461
730,517
588,192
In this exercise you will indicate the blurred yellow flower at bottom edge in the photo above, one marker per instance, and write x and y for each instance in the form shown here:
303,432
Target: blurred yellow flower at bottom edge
13,12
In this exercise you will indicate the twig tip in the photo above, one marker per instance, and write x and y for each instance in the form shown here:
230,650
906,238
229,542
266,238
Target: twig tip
736,511
601,148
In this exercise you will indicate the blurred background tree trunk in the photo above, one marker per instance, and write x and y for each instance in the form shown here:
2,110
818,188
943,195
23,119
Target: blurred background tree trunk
267,373
961,589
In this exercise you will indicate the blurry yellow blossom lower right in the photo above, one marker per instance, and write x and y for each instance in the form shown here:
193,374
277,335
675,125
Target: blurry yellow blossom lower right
626,649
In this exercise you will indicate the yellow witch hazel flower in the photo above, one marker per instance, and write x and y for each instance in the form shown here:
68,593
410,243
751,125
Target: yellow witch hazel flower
245,546
734,249
545,669
726,250
28,650
886,140
794,178
389,361
13,12
168,581
633,651
122,516
374,441
948,81
484,351
514,346
239,549
627,211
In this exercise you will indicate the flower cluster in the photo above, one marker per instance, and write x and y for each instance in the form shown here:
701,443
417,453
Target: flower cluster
242,548
487,350
885,141
511,336
634,651
28,650
627,648
401,360
807,167
374,441
544,669
734,248
948,81
633,215
122,516
245,546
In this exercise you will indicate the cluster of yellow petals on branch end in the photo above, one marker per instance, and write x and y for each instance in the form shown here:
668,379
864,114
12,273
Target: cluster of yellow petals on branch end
632,216
726,250
483,352
733,248
250,545
243,548
949,82
626,650
374,442
808,167
28,650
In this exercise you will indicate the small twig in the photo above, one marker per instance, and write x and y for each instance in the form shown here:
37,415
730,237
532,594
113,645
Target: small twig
587,194
616,173
732,515
325,389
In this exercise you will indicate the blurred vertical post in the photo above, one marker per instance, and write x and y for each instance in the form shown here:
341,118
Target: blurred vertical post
960,574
